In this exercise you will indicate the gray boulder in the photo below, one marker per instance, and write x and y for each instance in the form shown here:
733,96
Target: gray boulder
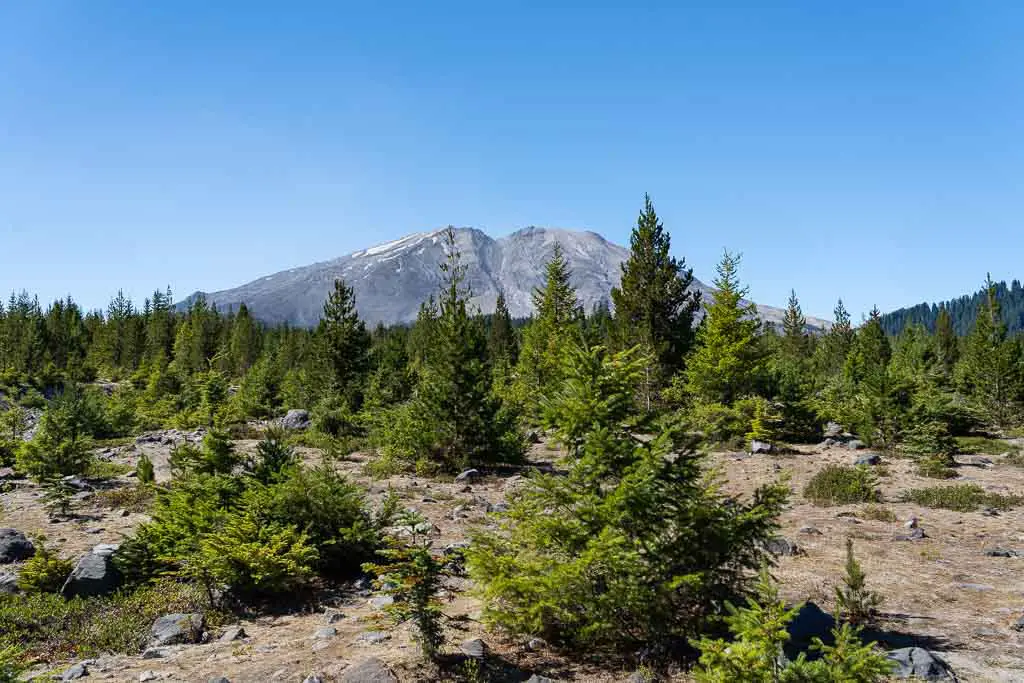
174,629
782,546
232,633
761,448
918,663
833,430
870,459
370,670
1019,626
856,445
9,584
973,460
540,679
467,475
95,574
75,672
474,648
14,546
296,419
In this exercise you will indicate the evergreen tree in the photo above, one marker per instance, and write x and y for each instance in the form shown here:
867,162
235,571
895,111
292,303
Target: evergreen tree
947,344
557,320
245,341
501,342
990,369
655,304
836,343
343,344
727,361
453,397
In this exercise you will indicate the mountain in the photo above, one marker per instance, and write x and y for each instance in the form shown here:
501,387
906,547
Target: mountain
962,311
391,280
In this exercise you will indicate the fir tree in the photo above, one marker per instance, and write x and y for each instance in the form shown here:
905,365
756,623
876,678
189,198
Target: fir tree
501,342
856,603
946,342
655,304
990,370
343,344
454,396
727,360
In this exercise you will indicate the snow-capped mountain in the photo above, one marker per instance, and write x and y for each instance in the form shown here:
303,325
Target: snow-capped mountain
391,280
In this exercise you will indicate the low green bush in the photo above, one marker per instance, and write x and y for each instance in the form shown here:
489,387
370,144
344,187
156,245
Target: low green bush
842,485
44,572
49,627
961,498
879,513
981,445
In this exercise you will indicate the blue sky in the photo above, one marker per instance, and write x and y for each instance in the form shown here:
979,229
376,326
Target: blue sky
873,151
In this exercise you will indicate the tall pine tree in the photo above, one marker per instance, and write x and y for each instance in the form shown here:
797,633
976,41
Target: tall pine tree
343,345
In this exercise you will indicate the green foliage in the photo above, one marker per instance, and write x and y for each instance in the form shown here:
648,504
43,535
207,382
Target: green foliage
57,497
144,471
44,572
857,605
61,445
655,304
632,547
273,459
217,456
842,485
343,345
755,654
253,556
961,497
11,664
413,576
935,468
727,361
982,445
13,425
762,426
47,626
878,513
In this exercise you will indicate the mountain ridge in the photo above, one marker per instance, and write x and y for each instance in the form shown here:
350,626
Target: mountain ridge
393,278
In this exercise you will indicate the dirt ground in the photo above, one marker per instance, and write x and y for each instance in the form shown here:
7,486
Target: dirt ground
942,592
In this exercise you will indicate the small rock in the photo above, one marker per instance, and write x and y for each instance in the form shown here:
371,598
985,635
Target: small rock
373,637
333,615
827,443
976,587
856,445
991,552
761,448
810,530
914,535
497,507
916,662
219,679
990,512
869,459
173,629
1019,626
474,648
154,653
94,575
319,645
972,460
121,513
312,678
782,546
75,672
7,473
535,678
325,633
833,430
231,634
15,546
369,671
148,675
536,644
381,601
468,475
910,523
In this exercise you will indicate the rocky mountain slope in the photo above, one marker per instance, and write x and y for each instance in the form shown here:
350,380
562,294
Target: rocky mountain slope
392,280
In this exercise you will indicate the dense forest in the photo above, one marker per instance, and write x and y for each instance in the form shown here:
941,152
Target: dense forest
962,311
600,560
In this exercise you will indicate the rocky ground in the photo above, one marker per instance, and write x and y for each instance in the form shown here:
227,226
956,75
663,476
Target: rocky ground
947,591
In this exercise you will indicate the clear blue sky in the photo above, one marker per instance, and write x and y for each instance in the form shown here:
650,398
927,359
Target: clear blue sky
869,150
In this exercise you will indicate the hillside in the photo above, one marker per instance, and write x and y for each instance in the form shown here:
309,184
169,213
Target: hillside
391,280
962,310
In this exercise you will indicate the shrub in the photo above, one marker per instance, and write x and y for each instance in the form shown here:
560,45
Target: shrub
273,458
217,456
755,653
856,603
981,445
57,497
878,513
251,556
935,468
841,485
931,439
144,471
48,626
61,446
11,664
631,548
413,575
138,498
44,572
961,498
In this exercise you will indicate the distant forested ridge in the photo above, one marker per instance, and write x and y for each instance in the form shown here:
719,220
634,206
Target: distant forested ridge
963,311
